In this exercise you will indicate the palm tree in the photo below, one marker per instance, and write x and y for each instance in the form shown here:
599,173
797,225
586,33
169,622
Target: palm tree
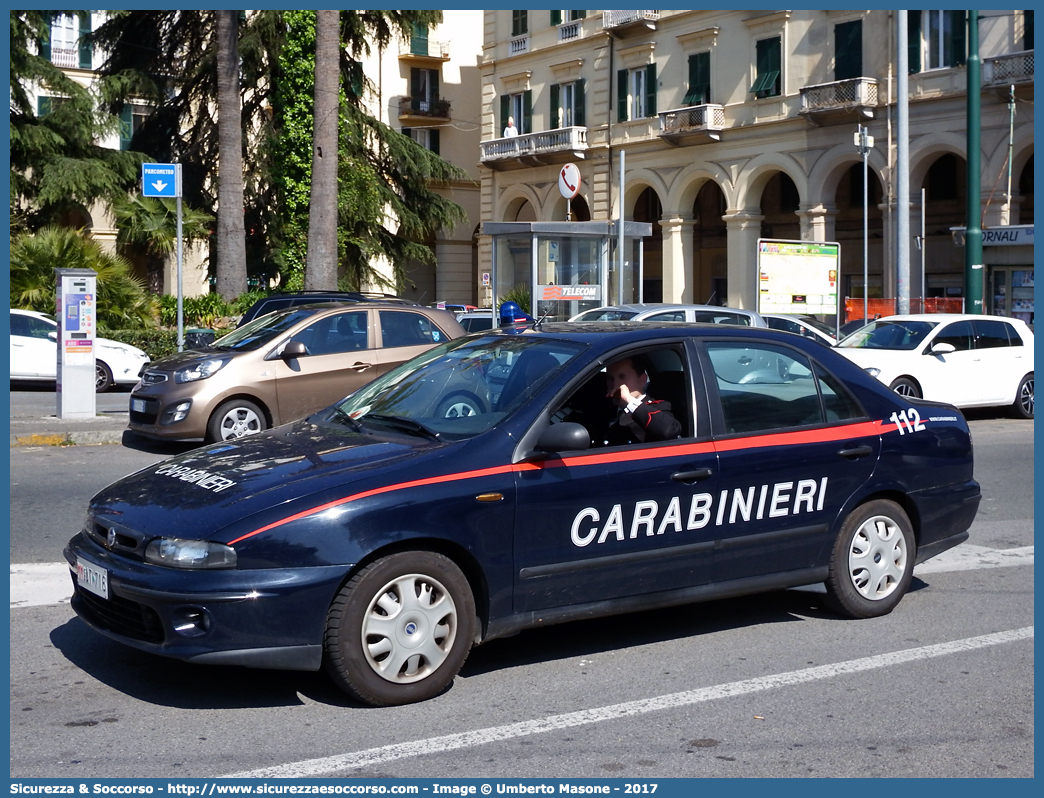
231,236
147,229
321,262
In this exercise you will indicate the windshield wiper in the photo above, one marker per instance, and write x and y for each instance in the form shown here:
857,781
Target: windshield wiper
407,424
344,418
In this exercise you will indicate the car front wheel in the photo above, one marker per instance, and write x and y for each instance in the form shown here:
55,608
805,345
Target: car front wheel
458,405
904,386
400,629
102,377
872,563
234,419
1023,406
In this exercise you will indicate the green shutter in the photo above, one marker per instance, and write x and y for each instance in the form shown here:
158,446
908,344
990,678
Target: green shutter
43,106
433,140
769,58
699,80
126,127
419,39
526,125
580,15
433,82
355,78
913,41
579,117
556,110
621,95
958,26
45,42
650,90
86,51
848,50
556,18
505,111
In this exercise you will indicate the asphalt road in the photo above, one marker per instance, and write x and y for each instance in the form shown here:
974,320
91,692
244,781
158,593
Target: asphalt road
770,685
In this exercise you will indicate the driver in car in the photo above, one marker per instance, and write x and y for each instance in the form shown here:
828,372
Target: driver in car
640,418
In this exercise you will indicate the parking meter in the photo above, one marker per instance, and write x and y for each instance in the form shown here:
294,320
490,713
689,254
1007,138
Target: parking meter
76,314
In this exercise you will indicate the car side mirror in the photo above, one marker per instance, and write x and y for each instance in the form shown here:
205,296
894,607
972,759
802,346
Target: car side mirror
564,437
293,349
53,335
942,349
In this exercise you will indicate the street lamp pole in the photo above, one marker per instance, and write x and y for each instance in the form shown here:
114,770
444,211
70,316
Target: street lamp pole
864,143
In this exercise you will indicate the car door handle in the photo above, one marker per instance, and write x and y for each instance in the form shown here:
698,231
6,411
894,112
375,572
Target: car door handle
856,452
688,477
360,367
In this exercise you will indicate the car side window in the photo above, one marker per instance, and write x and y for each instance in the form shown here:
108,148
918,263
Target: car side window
345,332
960,334
991,334
765,387
20,325
402,328
673,315
717,317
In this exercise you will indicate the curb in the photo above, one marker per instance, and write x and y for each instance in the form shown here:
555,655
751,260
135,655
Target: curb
90,438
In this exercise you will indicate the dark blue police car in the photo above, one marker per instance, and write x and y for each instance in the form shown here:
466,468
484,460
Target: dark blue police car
475,491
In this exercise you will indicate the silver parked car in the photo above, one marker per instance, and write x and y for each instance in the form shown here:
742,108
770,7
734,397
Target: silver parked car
664,311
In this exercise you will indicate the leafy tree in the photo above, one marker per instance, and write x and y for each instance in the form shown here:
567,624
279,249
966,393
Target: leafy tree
122,300
230,243
57,168
148,228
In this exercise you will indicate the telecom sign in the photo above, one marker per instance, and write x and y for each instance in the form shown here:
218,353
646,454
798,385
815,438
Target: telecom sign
161,180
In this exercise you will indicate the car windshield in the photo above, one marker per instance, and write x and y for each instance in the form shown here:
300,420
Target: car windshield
262,330
889,334
461,388
606,314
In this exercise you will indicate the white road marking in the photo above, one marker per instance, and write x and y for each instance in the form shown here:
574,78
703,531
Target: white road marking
42,584
312,768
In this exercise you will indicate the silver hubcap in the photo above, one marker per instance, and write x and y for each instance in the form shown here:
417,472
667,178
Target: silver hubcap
238,422
905,389
877,560
409,628
459,410
1026,397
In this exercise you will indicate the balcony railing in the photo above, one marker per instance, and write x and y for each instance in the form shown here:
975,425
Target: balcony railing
1006,70
424,48
548,142
616,19
568,31
839,94
708,119
414,106
65,57
518,45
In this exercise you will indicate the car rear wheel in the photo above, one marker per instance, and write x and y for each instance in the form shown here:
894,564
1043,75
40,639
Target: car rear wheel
459,405
400,629
234,419
1023,406
872,562
102,377
904,386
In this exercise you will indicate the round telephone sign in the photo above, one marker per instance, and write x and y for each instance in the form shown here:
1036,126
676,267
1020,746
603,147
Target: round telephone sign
569,180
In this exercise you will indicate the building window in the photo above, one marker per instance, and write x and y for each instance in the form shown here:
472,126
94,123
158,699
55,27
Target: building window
936,39
769,66
520,108
636,93
1027,30
419,39
848,50
131,120
66,46
424,90
558,17
428,138
519,23
699,80
567,104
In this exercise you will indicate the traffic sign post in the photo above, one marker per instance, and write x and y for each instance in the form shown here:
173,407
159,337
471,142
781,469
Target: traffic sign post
163,180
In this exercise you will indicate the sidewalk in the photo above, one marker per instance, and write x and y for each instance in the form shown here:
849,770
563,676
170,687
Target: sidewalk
47,429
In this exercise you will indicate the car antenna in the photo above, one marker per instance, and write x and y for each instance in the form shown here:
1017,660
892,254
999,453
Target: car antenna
540,321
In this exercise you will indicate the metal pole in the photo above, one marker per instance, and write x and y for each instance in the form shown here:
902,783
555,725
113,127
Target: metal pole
924,252
620,234
181,302
865,150
973,278
902,265
1011,142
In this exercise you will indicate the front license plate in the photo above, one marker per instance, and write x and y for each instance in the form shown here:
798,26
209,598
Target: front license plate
92,578
138,405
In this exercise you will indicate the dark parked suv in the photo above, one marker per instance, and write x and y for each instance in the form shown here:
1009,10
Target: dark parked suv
286,299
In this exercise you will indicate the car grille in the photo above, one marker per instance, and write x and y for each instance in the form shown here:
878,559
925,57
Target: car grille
150,414
123,541
120,616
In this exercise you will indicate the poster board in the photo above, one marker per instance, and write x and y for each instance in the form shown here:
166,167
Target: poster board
798,277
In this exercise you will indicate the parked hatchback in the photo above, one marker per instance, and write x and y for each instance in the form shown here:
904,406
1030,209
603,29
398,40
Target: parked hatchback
280,367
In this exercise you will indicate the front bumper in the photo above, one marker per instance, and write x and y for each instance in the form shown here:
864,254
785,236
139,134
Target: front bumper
260,618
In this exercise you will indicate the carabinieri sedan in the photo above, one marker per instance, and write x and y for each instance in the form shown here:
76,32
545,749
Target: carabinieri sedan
382,540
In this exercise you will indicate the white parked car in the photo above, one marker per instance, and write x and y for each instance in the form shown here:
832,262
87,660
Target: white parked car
807,326
965,360
663,311
34,353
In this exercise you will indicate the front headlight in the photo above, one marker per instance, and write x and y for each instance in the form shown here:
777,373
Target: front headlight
200,370
872,371
198,554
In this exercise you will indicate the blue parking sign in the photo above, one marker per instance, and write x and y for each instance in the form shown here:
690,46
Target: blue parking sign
161,180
